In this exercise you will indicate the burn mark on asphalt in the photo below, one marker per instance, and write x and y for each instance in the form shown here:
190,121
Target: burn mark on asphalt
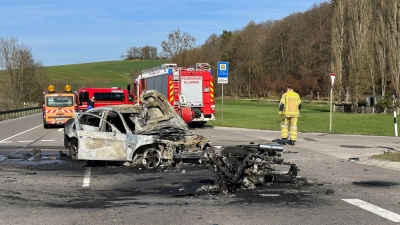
309,139
389,148
354,146
149,179
375,183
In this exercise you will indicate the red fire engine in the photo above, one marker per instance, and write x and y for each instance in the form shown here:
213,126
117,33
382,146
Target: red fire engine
103,97
189,90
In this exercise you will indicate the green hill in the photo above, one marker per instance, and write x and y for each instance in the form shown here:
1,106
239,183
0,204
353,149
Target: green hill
96,74
100,74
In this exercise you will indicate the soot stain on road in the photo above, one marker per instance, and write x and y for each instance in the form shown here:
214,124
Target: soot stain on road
144,188
375,183
354,146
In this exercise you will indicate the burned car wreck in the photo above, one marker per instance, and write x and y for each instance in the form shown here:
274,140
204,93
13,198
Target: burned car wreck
151,134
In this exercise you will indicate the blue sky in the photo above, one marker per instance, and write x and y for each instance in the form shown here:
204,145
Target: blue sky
61,32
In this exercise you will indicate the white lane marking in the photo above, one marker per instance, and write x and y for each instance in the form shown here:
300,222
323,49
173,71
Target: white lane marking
374,209
27,141
269,195
61,129
86,179
47,140
21,133
5,142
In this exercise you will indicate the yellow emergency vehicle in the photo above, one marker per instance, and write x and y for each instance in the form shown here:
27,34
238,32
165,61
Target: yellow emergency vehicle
58,107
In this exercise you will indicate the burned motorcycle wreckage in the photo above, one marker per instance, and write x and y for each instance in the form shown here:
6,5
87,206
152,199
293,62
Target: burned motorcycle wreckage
248,165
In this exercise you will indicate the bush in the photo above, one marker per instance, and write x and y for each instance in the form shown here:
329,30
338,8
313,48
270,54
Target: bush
385,103
362,102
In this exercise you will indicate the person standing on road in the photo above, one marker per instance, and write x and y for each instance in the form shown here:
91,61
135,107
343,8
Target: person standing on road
289,110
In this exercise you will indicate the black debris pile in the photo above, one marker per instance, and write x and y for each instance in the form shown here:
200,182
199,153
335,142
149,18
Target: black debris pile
247,166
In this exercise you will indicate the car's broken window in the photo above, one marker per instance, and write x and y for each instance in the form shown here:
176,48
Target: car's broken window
129,120
114,119
90,119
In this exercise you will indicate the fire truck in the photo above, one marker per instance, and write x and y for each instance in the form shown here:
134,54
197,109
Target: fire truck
102,97
190,90
58,107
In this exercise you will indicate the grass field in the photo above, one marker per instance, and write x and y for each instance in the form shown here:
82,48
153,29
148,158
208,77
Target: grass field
314,117
102,74
96,74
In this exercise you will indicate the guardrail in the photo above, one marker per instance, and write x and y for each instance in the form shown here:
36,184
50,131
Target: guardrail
9,114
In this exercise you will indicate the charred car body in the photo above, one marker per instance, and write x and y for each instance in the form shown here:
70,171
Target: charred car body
151,134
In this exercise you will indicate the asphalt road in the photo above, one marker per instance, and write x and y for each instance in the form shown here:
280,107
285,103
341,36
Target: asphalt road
331,189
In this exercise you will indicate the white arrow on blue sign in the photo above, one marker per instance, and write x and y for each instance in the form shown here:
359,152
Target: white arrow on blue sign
222,72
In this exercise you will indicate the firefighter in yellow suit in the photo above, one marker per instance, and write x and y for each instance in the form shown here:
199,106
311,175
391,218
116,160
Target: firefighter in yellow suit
289,110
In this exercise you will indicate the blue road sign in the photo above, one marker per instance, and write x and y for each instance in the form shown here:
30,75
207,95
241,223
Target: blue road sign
222,72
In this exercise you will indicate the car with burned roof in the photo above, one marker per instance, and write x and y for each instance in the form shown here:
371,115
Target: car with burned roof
151,134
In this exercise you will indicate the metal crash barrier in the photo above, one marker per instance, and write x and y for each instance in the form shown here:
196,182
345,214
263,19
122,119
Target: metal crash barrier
9,114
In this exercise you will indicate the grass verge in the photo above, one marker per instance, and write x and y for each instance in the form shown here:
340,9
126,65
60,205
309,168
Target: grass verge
314,117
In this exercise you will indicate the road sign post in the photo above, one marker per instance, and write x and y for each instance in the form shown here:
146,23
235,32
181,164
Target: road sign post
332,75
222,73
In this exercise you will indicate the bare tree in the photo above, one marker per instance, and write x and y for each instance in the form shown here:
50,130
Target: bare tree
393,42
337,44
25,77
177,46
153,52
146,52
149,52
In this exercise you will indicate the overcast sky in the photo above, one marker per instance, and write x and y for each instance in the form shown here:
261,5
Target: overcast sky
62,32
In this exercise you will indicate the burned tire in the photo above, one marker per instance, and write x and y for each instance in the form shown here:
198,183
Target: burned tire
66,142
73,149
151,158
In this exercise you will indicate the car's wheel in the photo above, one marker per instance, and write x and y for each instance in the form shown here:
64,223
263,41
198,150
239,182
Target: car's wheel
45,126
151,158
73,149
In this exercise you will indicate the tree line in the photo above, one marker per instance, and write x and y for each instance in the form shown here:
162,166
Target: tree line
358,40
365,48
143,53
264,56
177,43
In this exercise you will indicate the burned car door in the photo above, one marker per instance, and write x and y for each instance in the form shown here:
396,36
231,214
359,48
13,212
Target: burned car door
106,140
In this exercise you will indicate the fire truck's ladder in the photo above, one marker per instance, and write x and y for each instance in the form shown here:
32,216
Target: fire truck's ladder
159,70
177,87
